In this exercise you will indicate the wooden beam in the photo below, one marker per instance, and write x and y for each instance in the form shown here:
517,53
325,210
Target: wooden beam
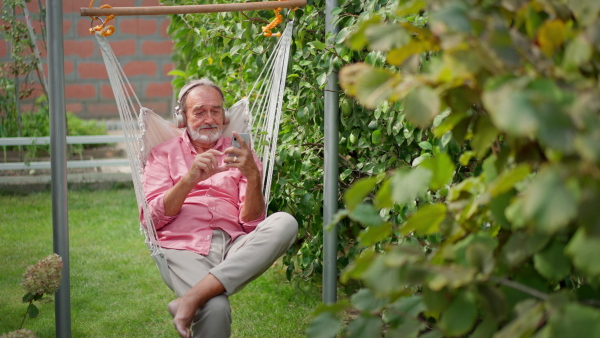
189,9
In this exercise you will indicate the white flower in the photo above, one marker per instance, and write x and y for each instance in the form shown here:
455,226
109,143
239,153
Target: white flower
44,276
23,333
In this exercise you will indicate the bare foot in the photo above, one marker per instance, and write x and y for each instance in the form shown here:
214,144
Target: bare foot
173,307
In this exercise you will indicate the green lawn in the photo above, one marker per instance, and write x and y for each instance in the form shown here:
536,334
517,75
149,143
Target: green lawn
116,290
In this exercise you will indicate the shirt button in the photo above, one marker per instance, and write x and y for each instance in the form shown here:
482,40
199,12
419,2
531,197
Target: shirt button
207,195
208,237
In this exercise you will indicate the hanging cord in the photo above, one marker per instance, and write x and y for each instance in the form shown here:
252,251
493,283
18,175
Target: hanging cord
278,20
103,28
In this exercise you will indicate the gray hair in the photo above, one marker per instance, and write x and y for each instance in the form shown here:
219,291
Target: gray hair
185,90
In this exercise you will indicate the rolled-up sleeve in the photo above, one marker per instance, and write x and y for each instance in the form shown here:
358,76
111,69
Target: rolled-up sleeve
156,181
250,225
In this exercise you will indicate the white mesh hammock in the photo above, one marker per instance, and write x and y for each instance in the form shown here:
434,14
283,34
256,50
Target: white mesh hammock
145,129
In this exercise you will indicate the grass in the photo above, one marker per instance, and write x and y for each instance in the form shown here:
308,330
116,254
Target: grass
116,290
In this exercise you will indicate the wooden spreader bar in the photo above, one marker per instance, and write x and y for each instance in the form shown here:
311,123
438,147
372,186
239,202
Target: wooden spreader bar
189,9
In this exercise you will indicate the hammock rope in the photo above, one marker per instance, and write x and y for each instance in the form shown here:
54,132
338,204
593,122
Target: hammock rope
146,129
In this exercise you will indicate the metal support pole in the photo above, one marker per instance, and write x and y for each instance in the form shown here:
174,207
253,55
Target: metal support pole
58,162
330,193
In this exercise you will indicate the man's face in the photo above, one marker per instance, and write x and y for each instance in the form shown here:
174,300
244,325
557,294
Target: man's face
204,114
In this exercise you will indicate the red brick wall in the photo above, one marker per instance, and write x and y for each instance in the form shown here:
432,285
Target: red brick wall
141,44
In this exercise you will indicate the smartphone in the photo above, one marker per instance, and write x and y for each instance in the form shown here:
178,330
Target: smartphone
246,138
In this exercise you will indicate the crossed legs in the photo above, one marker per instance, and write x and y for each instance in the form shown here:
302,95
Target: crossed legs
203,292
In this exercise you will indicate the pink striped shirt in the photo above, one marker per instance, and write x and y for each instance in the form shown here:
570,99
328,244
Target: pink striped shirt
214,203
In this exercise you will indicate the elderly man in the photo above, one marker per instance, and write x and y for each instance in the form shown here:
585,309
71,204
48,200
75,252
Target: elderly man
209,211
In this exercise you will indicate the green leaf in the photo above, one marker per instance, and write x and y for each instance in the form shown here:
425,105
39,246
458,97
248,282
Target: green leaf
318,45
374,234
435,301
528,316
549,201
510,106
426,220
485,329
577,53
365,300
325,325
358,191
522,245
383,198
408,184
32,311
507,180
493,302
481,257
376,137
584,249
426,145
421,106
28,297
483,136
552,262
365,326
366,215
177,72
575,320
460,316
385,36
442,168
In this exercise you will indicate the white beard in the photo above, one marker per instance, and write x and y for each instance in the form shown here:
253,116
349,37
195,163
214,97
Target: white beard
206,136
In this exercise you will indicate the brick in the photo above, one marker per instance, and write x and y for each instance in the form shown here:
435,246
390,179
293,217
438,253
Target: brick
67,26
167,68
33,7
3,49
148,3
80,91
37,91
123,47
106,91
163,28
82,48
157,47
74,6
140,68
161,108
92,70
159,89
103,110
41,48
74,107
139,27
84,25
68,68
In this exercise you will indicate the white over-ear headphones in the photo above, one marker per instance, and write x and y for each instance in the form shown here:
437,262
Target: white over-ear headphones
179,117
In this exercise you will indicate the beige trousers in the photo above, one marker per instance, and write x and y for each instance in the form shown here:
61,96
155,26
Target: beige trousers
234,264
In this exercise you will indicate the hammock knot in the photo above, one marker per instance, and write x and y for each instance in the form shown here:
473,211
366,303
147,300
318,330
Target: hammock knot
278,19
103,28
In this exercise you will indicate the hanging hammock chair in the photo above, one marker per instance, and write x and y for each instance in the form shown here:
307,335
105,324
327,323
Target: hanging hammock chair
145,129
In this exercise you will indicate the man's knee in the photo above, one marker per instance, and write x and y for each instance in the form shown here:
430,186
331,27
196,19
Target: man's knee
213,319
286,225
217,307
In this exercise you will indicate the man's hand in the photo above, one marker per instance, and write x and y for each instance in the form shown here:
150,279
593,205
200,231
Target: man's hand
204,166
243,159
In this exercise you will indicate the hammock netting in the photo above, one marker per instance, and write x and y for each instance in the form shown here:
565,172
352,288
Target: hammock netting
143,129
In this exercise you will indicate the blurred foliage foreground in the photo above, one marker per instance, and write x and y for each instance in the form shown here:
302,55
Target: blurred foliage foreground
469,158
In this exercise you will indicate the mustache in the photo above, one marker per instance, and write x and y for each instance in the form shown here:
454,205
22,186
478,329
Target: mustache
208,126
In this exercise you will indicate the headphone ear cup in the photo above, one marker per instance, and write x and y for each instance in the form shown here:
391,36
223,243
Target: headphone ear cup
227,117
178,120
